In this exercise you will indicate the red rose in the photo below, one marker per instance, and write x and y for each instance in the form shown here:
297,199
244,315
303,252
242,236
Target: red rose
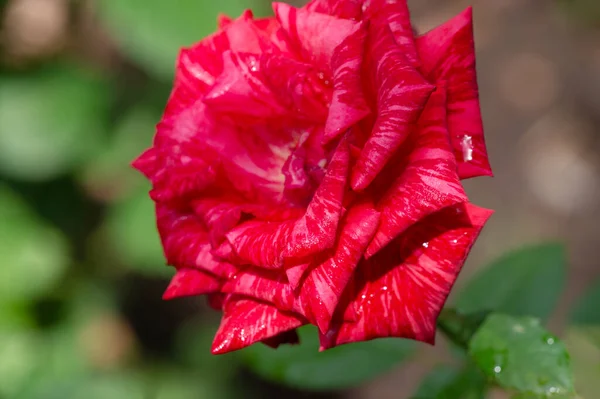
307,170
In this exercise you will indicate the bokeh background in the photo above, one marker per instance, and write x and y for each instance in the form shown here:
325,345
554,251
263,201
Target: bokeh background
82,84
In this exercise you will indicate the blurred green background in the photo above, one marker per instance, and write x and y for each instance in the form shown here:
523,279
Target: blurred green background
82,84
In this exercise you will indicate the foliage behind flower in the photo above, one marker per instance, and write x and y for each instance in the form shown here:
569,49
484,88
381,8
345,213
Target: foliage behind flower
308,169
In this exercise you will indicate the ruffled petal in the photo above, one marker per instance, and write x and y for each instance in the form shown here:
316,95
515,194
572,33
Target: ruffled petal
348,105
401,95
240,89
297,87
429,181
191,282
266,244
316,230
261,243
199,65
326,282
314,36
246,321
347,9
185,242
400,291
448,54
397,16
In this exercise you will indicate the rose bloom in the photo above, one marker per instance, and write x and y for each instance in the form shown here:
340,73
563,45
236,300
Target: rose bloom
308,169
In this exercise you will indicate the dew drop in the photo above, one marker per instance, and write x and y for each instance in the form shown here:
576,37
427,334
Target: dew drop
385,288
497,369
363,296
425,245
467,148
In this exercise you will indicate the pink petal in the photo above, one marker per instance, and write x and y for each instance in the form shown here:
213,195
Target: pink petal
223,20
429,181
267,243
448,53
185,242
216,300
269,286
348,105
296,86
313,35
295,274
316,230
400,291
326,282
246,321
191,282
240,89
401,95
219,214
397,16
199,65
261,243
346,9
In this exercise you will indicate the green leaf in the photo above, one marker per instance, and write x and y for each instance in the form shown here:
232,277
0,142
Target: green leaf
586,314
152,31
303,366
51,121
518,353
132,234
33,255
587,309
448,382
526,282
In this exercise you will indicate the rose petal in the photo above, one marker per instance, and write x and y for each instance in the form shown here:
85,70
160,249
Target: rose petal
295,274
316,230
199,65
347,9
326,282
185,242
191,282
448,53
261,243
240,90
400,291
246,321
429,181
348,105
397,16
401,95
297,87
313,35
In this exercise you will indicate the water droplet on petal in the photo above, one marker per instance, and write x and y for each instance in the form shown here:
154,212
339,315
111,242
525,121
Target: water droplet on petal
385,288
425,245
467,148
